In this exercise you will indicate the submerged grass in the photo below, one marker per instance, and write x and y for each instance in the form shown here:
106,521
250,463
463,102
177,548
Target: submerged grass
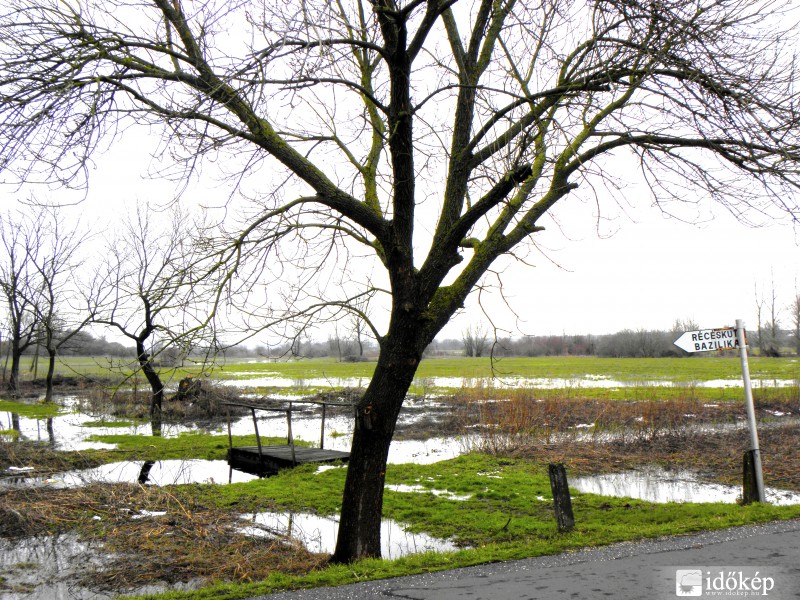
35,410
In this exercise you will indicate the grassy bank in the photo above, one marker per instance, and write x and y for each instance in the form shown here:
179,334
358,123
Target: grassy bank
184,446
38,410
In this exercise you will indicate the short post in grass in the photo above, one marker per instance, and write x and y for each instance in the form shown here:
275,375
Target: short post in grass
561,499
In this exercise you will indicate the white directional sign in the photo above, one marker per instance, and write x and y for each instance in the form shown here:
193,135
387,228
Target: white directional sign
706,340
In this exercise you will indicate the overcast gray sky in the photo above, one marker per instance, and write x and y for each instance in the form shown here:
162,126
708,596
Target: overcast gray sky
634,268
652,272
641,271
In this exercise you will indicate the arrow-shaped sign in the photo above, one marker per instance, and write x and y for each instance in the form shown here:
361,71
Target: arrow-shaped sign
706,340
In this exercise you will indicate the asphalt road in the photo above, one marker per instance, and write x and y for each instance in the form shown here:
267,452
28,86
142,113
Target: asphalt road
746,561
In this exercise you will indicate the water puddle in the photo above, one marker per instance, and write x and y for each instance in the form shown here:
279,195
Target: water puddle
42,567
198,471
70,432
46,568
318,534
661,486
158,473
418,489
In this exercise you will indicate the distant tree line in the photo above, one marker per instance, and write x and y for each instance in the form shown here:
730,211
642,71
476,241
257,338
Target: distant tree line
81,344
628,343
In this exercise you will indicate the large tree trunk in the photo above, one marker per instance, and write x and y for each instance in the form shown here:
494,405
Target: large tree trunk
376,416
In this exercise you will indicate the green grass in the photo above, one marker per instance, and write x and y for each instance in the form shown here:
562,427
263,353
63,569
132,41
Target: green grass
690,369
37,410
9,435
504,518
468,371
99,367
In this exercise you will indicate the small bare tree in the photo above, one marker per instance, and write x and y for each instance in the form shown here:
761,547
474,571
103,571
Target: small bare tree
143,289
768,327
794,317
18,285
53,255
474,340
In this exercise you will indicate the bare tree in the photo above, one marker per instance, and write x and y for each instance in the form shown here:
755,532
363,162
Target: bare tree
53,255
794,317
18,284
142,291
427,140
681,325
474,340
359,321
768,330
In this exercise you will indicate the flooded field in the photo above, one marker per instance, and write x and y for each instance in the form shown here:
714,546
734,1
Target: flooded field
435,426
259,379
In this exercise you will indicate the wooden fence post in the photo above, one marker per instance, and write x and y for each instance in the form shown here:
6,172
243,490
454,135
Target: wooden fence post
561,499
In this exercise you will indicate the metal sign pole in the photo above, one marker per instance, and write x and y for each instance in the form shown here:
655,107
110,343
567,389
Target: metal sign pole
751,413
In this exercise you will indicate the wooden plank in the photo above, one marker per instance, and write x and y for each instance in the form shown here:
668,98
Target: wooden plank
271,459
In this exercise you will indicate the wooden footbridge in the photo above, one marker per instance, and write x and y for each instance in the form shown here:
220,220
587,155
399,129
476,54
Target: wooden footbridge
268,459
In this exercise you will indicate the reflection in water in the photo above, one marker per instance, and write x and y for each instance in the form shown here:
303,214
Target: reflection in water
658,485
69,432
144,474
156,424
46,567
318,534
188,471
51,434
159,473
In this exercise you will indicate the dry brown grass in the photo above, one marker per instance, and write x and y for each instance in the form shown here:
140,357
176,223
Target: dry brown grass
716,456
592,435
46,459
189,542
134,403
515,419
